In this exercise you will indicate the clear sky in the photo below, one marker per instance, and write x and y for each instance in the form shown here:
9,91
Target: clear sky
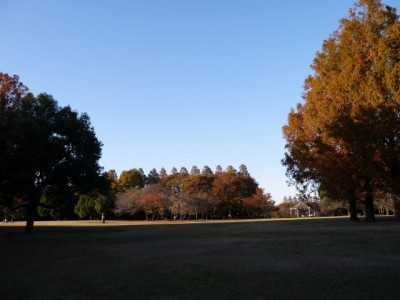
174,82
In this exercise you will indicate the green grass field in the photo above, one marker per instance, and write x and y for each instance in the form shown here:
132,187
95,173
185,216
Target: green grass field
292,259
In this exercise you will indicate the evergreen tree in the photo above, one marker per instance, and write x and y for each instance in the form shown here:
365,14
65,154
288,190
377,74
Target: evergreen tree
184,171
194,171
230,170
143,175
218,170
243,170
174,171
163,173
153,177
207,171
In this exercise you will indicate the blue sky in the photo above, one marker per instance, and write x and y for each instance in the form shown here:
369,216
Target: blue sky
174,82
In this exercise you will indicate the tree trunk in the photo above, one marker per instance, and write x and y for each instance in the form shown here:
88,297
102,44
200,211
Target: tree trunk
369,208
369,202
29,225
396,204
353,210
31,214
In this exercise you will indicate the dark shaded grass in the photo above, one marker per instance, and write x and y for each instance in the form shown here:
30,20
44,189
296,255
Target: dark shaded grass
317,259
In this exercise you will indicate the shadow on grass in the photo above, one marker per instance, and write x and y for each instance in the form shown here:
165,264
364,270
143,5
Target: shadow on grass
293,259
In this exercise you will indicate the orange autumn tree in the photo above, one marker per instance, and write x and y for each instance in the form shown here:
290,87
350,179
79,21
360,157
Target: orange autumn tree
259,204
155,201
197,190
345,138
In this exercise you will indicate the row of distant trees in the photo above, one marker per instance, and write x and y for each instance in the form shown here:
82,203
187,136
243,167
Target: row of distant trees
325,206
49,158
138,179
196,194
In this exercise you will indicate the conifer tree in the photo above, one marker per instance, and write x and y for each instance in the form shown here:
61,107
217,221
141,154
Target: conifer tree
344,138
184,171
194,171
163,173
153,177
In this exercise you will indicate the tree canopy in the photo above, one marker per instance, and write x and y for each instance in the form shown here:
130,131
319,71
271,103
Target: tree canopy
48,153
129,179
11,93
49,168
344,138
181,195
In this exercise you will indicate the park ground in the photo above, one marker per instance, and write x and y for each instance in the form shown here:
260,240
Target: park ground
280,259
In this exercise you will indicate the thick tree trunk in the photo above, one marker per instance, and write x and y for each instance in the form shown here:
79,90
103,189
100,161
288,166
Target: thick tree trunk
30,217
29,225
31,212
353,210
369,202
369,208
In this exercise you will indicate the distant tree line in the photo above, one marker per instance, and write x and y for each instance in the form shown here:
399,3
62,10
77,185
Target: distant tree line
186,195
49,169
322,207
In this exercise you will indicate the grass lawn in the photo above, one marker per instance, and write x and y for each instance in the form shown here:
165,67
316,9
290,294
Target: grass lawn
285,259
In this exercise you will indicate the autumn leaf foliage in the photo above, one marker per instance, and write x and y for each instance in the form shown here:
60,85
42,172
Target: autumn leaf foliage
344,137
181,195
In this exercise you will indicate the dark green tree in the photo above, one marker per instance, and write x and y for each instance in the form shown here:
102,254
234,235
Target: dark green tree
46,151
153,177
86,207
92,205
144,177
